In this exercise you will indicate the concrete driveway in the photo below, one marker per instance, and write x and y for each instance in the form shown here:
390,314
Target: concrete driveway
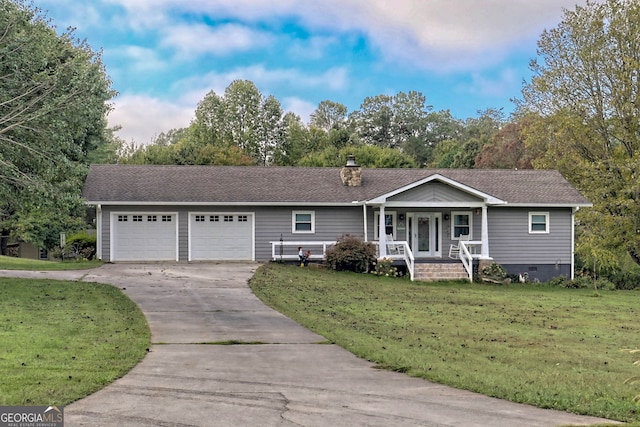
287,376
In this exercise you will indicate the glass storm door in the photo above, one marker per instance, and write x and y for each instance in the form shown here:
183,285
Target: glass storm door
426,230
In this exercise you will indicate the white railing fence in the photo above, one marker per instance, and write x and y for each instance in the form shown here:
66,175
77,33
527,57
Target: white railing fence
287,250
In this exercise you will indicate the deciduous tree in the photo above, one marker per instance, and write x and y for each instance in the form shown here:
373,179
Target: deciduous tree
586,92
53,105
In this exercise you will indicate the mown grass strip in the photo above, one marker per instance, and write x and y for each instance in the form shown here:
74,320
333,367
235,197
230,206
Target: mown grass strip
550,347
62,340
12,263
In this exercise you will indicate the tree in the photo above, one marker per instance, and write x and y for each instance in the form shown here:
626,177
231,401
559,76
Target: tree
506,150
391,121
439,126
53,106
329,115
368,156
586,94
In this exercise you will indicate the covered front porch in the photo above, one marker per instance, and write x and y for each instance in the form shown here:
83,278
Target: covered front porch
458,264
430,232
436,219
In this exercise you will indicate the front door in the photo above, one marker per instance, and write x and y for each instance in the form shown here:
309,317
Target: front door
426,232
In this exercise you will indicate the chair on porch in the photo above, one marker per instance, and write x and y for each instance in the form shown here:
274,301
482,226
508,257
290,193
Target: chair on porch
392,247
454,249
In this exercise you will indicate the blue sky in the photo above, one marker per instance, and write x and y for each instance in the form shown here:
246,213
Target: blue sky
163,56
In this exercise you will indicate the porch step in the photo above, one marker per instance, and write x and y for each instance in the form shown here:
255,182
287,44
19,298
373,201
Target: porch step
440,271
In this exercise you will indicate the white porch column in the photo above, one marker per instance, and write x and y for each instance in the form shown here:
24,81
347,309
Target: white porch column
382,235
364,221
485,234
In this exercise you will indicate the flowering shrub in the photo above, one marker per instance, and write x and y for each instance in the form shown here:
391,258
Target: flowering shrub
384,267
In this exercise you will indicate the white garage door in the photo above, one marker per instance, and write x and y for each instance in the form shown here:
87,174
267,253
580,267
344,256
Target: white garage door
220,236
144,237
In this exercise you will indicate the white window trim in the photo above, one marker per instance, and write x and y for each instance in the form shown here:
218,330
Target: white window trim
546,215
293,222
453,223
376,222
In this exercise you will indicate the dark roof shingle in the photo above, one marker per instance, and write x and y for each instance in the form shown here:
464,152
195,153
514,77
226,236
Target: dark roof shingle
255,185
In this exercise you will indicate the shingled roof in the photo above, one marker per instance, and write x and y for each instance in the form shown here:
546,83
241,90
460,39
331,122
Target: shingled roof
290,185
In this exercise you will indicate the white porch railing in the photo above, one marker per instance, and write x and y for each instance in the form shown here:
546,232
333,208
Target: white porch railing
467,255
399,250
283,250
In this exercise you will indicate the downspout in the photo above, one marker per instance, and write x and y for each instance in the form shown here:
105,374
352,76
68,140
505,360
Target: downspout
573,241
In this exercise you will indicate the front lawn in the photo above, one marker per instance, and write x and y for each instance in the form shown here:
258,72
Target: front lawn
549,347
61,340
13,263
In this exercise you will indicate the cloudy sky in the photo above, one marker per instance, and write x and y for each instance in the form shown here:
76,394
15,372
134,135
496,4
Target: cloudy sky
163,56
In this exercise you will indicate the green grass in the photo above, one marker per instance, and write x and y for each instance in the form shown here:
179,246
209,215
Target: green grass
61,340
13,263
549,347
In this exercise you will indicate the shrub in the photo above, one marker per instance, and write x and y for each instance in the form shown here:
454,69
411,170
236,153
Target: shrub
495,271
582,282
384,267
625,280
80,246
351,254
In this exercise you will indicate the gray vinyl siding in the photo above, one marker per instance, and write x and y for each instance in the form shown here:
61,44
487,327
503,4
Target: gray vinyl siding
330,224
433,192
511,243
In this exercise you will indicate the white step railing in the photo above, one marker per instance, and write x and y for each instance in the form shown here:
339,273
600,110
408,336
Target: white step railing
467,255
399,250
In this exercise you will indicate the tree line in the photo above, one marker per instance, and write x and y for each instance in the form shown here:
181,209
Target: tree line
245,127
579,114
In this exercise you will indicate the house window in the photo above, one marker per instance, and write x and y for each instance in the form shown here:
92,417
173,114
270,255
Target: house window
461,225
538,222
123,218
199,218
137,218
166,218
152,218
214,218
303,222
243,218
228,218
389,224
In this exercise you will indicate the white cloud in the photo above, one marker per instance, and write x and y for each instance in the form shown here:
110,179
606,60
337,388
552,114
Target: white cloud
138,58
335,79
299,107
193,40
434,34
142,118
314,48
490,86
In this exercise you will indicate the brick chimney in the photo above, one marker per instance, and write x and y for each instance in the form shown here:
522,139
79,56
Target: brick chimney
351,173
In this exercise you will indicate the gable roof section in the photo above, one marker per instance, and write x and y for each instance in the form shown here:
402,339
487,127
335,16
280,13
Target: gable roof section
439,178
243,185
